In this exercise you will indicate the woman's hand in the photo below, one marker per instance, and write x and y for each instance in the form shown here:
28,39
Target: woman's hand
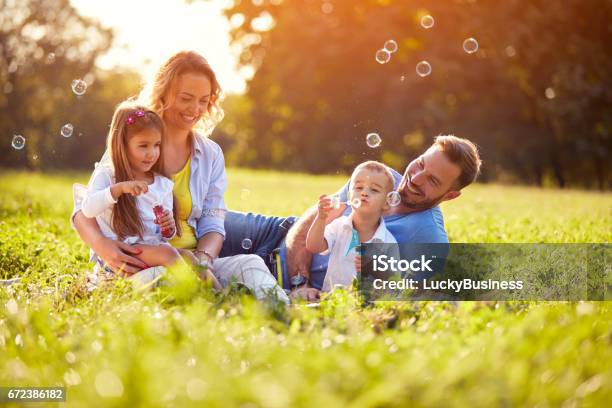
118,256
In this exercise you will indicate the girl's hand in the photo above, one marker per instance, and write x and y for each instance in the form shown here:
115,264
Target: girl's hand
166,221
134,188
325,206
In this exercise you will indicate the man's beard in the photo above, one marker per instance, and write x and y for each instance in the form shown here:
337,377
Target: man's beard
422,205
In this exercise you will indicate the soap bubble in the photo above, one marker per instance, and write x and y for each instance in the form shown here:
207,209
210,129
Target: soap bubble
470,45
50,58
427,21
394,199
383,56
18,142
373,140
355,203
423,68
79,87
550,93
247,243
67,130
391,46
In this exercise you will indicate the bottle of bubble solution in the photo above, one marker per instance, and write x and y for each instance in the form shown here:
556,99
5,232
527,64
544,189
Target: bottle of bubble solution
158,210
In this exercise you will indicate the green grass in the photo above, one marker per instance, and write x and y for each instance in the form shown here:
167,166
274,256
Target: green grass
181,345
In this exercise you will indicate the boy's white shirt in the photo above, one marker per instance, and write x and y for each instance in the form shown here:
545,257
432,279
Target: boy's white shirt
98,203
341,266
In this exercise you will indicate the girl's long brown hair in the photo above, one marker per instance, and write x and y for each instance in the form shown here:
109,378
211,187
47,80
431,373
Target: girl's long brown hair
125,219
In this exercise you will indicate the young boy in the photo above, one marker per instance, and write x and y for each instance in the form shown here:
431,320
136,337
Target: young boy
370,184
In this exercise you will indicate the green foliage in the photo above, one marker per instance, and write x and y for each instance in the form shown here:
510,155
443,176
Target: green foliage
180,345
44,46
535,96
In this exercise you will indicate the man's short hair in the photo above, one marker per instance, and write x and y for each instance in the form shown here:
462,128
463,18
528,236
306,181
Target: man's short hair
377,167
464,154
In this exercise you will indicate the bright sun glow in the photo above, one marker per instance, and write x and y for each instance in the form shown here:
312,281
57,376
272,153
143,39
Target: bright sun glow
148,32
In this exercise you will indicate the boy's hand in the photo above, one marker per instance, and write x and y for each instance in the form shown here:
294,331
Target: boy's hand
325,206
134,188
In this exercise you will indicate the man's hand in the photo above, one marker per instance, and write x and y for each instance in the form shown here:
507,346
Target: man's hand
306,292
118,256
358,263
134,188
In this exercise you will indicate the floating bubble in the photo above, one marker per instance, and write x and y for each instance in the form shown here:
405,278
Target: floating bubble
550,93
355,203
327,7
427,22
67,130
245,193
402,78
79,87
470,45
18,142
35,157
247,243
394,199
335,201
383,56
373,140
50,58
391,46
423,68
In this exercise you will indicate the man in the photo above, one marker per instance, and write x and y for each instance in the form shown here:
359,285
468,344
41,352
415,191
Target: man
438,175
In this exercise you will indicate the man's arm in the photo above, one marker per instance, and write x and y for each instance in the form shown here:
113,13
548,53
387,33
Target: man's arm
298,258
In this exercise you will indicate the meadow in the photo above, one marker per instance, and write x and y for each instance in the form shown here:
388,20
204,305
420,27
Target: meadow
182,345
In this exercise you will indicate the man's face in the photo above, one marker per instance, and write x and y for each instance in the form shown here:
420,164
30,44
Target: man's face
428,180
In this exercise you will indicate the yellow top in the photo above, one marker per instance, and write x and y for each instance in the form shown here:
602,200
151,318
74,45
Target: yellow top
187,240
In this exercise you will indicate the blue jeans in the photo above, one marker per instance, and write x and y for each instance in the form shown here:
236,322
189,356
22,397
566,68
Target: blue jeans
267,234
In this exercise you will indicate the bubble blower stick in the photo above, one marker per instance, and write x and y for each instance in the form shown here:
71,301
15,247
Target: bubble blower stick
158,210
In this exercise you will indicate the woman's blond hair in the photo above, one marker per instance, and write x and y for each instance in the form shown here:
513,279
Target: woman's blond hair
158,93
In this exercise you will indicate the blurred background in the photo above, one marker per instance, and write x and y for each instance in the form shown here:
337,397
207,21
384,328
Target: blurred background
303,85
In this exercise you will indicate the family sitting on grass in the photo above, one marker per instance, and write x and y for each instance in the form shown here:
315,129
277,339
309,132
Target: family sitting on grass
156,198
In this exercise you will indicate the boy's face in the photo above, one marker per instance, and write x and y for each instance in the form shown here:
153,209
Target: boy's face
371,188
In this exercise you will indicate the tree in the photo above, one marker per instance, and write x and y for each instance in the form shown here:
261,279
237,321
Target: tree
535,96
44,46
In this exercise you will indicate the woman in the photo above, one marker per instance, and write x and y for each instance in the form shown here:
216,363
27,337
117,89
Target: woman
185,94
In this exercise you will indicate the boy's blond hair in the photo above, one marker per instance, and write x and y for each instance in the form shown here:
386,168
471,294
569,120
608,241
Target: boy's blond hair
377,167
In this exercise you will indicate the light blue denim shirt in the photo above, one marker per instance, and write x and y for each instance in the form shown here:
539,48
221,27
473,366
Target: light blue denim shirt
207,185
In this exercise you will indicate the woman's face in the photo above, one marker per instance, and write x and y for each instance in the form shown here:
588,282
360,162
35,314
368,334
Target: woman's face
190,102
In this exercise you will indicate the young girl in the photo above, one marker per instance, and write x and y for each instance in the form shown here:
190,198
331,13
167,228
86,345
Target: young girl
131,198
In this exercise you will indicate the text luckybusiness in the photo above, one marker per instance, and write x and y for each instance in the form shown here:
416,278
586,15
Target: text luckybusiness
457,286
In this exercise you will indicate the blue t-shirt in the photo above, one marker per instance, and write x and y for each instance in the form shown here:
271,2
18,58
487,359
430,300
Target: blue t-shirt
421,227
